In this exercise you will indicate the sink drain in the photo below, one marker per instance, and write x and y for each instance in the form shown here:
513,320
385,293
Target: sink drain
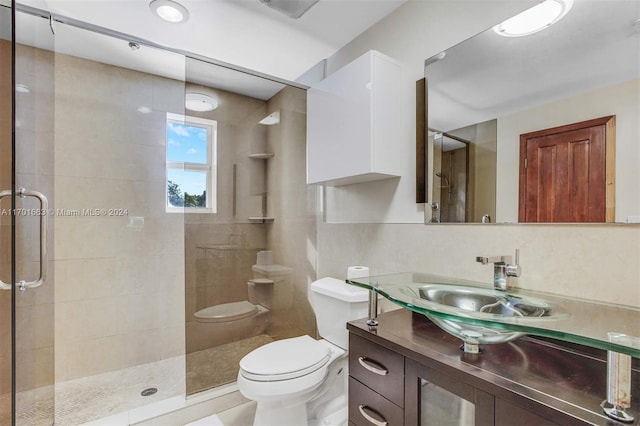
149,391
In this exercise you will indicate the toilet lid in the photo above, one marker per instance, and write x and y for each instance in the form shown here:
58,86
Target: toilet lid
285,359
227,312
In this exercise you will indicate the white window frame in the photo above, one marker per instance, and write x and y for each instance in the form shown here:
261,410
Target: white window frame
209,168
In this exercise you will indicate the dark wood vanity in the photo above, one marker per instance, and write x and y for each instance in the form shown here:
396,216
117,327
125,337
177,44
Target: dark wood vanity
408,372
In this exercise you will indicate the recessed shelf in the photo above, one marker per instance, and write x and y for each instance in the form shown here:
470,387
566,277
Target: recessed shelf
262,155
260,219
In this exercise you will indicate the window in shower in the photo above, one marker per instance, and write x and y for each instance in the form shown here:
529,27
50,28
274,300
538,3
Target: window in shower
191,163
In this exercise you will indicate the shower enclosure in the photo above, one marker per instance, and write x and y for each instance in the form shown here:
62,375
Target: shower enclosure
154,213
462,181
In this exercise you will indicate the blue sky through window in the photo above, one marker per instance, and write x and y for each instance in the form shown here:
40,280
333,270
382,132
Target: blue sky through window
186,143
194,183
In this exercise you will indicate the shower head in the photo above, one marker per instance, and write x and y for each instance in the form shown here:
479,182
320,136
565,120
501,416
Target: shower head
292,8
445,180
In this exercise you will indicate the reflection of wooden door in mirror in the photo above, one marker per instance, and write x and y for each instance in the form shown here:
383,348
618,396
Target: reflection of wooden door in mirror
567,173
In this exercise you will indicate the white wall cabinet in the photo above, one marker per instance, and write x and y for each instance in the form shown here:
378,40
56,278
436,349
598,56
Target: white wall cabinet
354,122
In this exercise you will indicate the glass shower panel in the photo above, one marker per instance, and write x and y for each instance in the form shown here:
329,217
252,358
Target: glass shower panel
32,277
247,264
116,255
6,254
119,252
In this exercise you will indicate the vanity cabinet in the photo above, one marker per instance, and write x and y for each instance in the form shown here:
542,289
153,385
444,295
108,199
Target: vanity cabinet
409,372
354,120
376,383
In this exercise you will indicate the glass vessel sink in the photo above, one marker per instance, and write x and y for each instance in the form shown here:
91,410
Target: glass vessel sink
482,304
478,314
488,301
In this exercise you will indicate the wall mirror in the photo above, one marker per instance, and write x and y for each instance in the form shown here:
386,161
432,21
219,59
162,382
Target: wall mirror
488,90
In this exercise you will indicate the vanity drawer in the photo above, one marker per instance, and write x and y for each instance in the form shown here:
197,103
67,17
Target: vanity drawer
377,367
368,408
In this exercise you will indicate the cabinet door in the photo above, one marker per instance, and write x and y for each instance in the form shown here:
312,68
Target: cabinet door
355,122
433,398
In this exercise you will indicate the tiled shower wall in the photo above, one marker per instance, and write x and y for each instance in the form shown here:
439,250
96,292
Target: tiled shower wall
119,278
292,237
221,249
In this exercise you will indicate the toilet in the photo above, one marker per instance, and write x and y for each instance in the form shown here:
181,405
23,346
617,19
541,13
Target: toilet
228,322
301,380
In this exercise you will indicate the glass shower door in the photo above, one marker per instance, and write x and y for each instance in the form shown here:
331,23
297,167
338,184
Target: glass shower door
26,290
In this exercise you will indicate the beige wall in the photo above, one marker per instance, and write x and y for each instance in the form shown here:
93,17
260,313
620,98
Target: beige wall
591,261
119,286
221,248
34,156
620,100
292,237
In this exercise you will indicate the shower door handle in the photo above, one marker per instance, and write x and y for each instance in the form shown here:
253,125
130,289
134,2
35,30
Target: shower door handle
44,209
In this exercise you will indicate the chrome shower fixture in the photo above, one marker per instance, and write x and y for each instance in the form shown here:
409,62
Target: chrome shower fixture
292,8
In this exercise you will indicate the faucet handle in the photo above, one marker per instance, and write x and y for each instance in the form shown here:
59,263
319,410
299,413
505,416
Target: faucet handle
514,270
493,259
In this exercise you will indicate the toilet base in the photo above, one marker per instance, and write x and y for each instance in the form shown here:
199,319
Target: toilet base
324,405
277,414
339,418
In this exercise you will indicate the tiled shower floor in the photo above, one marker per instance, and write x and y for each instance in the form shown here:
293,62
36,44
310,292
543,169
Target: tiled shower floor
219,365
89,398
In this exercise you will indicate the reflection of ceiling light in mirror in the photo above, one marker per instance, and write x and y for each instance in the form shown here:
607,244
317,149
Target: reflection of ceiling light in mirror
200,102
271,119
534,19
144,109
22,88
169,10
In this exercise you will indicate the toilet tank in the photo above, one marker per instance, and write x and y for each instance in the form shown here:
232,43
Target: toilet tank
334,303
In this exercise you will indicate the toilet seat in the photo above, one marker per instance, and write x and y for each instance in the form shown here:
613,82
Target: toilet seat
227,312
285,359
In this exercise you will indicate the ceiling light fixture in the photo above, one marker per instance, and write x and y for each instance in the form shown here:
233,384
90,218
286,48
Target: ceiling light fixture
169,10
536,19
200,102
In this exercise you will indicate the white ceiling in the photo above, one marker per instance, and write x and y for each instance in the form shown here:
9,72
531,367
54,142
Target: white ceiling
241,32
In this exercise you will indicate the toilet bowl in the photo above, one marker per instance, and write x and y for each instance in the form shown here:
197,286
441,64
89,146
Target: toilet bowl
303,381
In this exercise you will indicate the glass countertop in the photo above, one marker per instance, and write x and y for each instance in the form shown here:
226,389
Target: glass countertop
591,323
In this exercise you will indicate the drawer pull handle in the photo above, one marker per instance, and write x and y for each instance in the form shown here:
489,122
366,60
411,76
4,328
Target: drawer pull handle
373,366
367,416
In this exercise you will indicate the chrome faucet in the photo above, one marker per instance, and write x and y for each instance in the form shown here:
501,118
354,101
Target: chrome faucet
502,269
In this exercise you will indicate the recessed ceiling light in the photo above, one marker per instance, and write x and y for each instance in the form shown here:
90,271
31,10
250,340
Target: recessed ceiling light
169,10
200,102
144,109
536,19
